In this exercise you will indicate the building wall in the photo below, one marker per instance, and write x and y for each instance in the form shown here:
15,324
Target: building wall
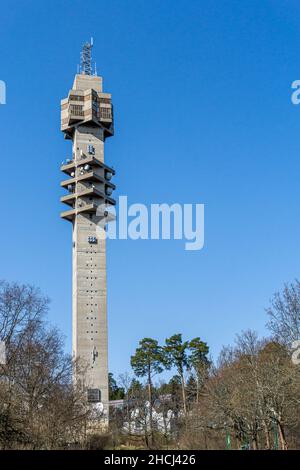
89,282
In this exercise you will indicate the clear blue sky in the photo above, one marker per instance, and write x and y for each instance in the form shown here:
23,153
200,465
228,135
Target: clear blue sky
202,115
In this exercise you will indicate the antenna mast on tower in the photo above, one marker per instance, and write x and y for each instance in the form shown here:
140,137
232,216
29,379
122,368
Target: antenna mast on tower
86,58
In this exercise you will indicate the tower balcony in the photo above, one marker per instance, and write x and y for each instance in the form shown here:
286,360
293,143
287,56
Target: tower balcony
87,209
70,199
70,167
88,177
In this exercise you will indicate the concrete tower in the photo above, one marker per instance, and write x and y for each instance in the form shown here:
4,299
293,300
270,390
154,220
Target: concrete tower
87,120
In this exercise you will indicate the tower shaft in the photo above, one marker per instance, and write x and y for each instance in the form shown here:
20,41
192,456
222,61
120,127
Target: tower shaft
89,280
87,120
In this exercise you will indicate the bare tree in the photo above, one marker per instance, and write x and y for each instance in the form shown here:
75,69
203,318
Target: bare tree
284,314
254,392
40,407
20,305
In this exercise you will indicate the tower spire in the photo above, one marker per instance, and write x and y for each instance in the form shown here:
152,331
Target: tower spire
86,58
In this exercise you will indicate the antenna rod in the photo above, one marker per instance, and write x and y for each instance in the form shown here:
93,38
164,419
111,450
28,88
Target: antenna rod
86,58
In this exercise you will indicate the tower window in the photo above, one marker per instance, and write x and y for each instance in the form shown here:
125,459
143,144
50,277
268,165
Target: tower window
91,149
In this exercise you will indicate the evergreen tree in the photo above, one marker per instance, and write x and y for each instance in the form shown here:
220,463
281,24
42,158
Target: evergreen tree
176,353
199,362
148,360
115,392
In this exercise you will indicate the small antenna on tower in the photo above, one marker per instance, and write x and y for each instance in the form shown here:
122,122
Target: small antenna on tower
86,58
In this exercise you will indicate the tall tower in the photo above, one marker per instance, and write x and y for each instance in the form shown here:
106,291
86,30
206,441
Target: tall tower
87,120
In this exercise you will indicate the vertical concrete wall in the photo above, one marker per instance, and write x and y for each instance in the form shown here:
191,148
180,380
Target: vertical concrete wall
89,282
88,127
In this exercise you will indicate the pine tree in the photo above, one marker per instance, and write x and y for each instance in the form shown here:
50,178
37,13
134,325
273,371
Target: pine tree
148,360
